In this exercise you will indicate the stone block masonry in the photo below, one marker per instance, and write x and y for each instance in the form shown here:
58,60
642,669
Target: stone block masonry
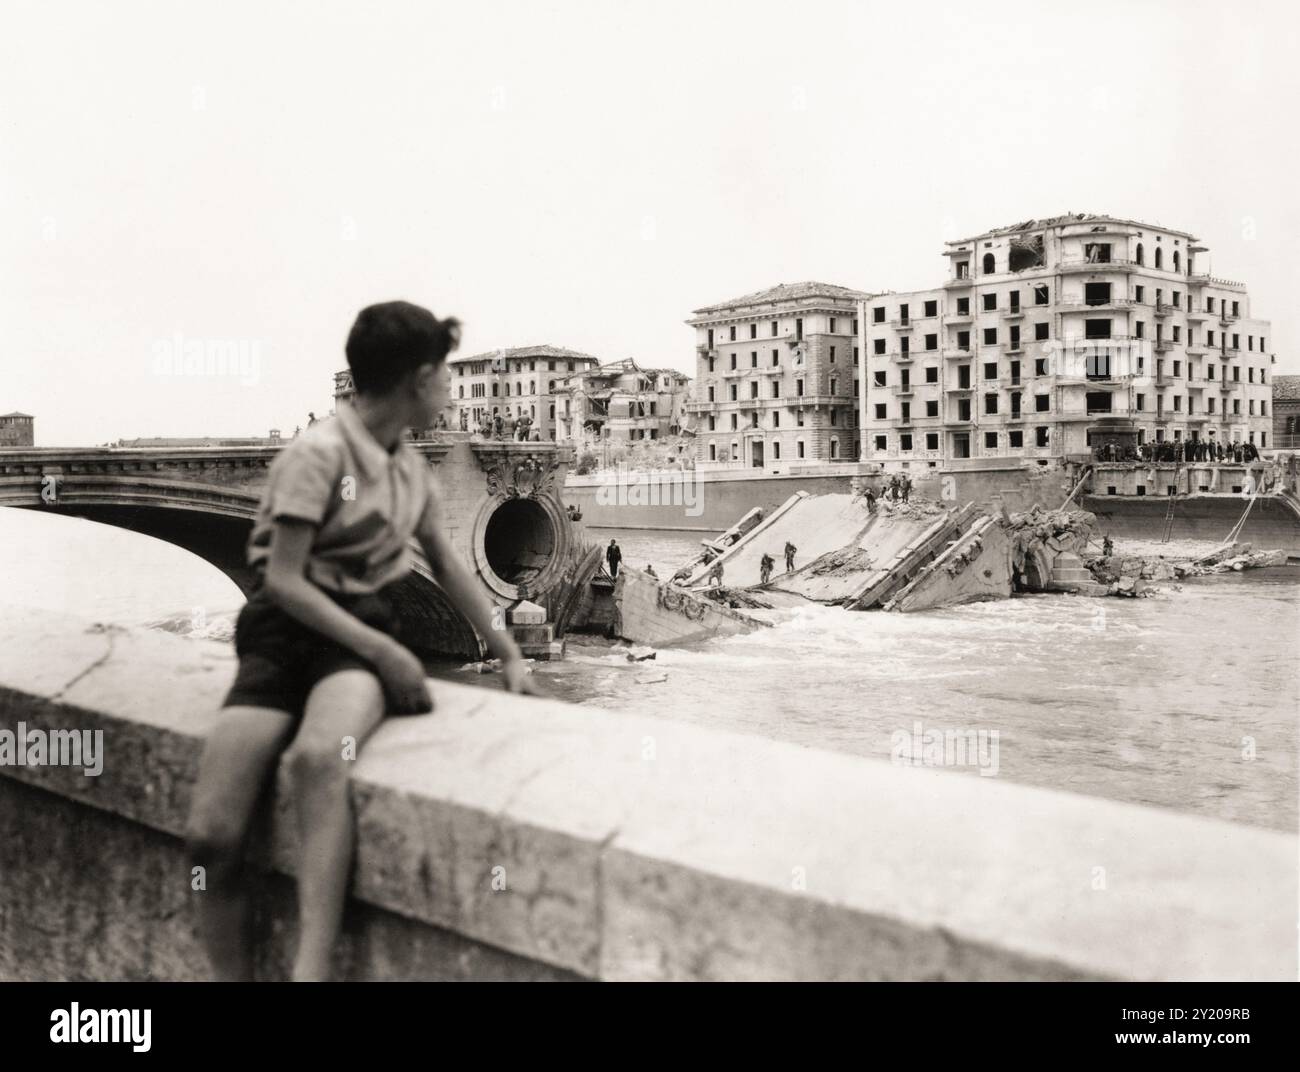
515,837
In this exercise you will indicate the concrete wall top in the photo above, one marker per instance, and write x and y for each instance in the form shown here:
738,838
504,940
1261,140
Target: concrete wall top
639,848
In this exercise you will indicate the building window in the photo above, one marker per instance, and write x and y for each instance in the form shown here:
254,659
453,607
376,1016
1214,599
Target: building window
1040,295
990,303
776,451
989,264
799,448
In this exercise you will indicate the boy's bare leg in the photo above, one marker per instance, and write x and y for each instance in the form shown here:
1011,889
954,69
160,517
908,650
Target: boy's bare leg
239,755
347,704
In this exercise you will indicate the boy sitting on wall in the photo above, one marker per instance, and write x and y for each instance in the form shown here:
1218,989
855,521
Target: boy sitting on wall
321,658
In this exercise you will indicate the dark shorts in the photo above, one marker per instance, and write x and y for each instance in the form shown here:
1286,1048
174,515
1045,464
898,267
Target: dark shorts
281,660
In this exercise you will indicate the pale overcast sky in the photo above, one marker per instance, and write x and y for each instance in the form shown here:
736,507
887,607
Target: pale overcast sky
583,174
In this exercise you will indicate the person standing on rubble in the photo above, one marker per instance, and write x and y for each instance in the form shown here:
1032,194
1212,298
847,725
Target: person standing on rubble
906,486
765,567
790,549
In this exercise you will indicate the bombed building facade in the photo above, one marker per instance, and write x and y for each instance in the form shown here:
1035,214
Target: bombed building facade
621,402
1051,336
777,376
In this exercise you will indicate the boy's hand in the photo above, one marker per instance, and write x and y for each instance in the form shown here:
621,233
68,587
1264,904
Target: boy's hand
517,677
403,679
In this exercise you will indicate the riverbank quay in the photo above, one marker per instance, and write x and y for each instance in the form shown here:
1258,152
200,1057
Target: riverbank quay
511,837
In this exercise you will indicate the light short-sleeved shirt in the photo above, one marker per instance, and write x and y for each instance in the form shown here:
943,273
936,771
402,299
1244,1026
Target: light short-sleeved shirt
364,501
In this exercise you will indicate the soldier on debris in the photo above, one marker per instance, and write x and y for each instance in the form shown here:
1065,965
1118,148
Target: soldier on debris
790,549
765,568
906,486
613,556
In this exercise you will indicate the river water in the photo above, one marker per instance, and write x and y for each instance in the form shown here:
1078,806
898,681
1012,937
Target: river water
1189,700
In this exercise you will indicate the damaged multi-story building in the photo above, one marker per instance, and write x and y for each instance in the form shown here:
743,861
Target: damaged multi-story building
622,402
777,376
1052,336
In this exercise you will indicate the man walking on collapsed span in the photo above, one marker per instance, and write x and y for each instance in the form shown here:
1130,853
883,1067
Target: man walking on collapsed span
765,567
790,549
613,556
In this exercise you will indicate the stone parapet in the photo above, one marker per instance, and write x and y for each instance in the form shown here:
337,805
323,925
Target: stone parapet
513,837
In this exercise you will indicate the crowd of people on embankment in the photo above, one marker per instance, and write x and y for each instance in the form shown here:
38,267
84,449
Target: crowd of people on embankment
519,428
1179,450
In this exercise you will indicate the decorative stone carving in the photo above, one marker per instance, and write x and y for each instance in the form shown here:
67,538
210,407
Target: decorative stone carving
525,475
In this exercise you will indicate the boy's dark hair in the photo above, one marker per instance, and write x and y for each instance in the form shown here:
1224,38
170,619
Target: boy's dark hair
394,338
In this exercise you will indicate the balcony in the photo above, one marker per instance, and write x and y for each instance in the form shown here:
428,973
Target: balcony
960,281
1078,264
901,324
959,318
960,389
1015,346
1095,306
905,389
1163,309
957,353
1164,345
901,356
1013,313
1197,315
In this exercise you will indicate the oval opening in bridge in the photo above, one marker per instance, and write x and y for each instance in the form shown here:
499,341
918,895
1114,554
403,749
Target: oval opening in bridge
519,542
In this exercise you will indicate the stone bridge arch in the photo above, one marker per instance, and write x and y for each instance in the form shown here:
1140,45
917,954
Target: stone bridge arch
502,506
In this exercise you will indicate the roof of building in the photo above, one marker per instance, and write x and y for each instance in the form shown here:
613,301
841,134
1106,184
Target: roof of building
1286,387
624,366
787,292
15,413
545,350
1065,221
